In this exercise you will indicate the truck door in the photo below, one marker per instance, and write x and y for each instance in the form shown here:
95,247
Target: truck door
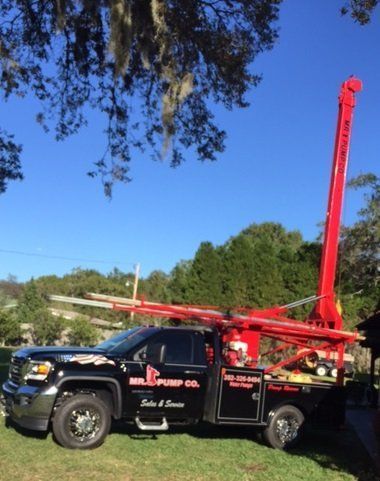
174,388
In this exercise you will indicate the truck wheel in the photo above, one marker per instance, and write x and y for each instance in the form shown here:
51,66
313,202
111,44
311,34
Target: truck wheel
285,428
334,372
81,422
321,370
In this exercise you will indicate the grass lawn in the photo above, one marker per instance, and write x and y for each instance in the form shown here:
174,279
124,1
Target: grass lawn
202,453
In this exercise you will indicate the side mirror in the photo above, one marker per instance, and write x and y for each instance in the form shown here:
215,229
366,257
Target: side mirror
156,354
142,355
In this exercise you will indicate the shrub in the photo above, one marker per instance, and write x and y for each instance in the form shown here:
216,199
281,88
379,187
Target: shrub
47,329
82,333
10,331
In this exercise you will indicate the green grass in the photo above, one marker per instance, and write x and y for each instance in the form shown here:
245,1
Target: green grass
202,453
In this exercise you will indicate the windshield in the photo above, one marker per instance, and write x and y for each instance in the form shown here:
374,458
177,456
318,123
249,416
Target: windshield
126,340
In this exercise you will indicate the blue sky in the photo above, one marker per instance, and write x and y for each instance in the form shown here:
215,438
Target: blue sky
276,166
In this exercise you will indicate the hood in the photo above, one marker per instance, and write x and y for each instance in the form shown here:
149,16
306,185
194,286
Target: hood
56,353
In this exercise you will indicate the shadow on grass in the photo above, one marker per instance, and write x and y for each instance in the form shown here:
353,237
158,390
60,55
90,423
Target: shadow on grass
334,450
4,368
9,424
338,451
201,431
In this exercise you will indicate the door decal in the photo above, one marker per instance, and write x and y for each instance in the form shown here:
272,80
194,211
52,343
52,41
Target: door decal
151,375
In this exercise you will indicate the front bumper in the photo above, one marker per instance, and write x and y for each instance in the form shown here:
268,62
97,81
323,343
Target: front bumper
28,406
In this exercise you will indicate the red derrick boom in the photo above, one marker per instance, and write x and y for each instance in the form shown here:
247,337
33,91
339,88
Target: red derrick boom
325,312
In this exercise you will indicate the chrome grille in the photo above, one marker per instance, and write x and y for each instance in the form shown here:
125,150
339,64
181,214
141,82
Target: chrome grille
15,369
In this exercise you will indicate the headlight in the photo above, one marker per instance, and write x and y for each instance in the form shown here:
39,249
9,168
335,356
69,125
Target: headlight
37,370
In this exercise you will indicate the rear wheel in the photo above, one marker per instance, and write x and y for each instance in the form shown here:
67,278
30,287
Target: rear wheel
321,370
334,372
285,428
81,422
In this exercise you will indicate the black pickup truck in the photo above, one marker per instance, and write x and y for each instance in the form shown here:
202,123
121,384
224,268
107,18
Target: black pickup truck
155,377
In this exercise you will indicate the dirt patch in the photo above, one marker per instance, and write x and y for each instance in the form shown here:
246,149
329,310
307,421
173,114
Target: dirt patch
254,468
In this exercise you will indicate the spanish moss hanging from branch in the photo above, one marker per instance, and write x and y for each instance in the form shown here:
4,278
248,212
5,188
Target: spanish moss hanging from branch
152,67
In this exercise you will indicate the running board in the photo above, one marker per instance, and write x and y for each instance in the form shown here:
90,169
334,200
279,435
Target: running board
164,426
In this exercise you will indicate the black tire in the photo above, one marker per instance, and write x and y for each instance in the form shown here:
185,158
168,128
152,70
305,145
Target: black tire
321,370
81,422
285,428
333,372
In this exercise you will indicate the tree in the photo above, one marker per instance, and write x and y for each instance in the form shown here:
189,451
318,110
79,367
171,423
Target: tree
239,273
172,56
31,303
360,253
299,272
10,163
178,283
10,332
275,234
10,288
82,333
32,309
205,284
285,266
360,10
47,329
266,284
360,244
155,287
262,266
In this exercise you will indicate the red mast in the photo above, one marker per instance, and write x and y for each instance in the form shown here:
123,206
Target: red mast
325,310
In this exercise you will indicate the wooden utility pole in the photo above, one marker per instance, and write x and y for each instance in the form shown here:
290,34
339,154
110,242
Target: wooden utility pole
135,285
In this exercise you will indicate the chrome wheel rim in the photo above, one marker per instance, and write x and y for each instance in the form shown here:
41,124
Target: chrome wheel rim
287,428
84,424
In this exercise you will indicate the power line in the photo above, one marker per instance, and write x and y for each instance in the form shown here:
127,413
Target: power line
63,258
